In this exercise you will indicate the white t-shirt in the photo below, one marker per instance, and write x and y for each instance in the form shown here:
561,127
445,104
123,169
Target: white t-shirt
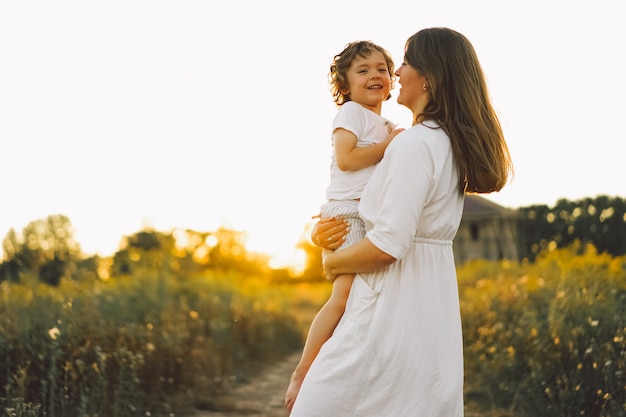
369,128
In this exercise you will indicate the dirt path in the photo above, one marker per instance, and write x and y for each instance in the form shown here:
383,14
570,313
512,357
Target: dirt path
262,396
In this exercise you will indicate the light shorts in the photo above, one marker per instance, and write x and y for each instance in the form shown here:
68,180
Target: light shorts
348,210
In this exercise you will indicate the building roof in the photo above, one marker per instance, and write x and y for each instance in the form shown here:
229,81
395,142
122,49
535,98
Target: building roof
477,206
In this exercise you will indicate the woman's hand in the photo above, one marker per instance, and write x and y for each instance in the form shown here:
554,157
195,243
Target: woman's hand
329,233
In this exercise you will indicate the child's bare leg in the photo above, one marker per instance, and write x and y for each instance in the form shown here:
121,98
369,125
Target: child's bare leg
321,330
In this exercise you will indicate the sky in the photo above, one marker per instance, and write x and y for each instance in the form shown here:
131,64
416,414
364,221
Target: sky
129,114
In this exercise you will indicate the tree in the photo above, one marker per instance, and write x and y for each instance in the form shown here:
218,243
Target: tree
10,267
47,247
186,252
146,249
600,221
52,271
10,245
10,271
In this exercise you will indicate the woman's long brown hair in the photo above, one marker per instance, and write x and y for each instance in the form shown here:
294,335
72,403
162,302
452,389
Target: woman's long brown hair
459,101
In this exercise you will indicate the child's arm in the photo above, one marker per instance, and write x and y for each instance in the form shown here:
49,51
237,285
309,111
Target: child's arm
349,157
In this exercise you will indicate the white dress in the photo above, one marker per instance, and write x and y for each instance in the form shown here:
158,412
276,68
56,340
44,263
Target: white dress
397,351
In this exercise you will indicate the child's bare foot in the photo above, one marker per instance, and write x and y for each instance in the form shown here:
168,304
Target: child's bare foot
295,382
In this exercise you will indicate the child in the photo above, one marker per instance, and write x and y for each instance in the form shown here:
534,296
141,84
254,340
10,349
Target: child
361,77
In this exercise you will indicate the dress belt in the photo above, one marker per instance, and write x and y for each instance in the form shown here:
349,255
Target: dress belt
432,241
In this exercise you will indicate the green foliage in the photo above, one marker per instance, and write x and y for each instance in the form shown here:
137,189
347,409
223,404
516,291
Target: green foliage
186,252
16,407
548,338
10,271
190,312
600,221
46,247
132,346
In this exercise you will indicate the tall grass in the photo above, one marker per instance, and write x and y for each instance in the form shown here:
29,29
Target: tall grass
542,339
132,346
548,338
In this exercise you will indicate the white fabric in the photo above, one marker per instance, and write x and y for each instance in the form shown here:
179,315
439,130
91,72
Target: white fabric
369,128
397,351
348,210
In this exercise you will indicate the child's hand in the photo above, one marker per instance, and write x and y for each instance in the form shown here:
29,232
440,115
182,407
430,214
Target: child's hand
394,133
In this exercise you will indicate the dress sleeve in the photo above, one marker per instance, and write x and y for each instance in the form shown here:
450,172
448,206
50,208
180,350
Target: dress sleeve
408,177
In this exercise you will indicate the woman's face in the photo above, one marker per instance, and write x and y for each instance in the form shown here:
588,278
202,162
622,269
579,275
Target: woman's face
412,93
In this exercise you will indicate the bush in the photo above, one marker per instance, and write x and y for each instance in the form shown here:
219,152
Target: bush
128,347
548,338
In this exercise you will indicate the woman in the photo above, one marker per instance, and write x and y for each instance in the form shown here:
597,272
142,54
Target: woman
397,350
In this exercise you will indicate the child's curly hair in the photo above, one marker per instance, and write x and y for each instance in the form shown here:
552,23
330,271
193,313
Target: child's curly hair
338,76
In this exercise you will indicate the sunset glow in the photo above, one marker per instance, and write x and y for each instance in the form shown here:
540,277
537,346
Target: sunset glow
119,112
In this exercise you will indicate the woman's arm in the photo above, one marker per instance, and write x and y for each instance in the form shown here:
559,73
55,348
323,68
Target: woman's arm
361,257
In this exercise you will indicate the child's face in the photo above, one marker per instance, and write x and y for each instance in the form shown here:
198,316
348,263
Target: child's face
369,82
